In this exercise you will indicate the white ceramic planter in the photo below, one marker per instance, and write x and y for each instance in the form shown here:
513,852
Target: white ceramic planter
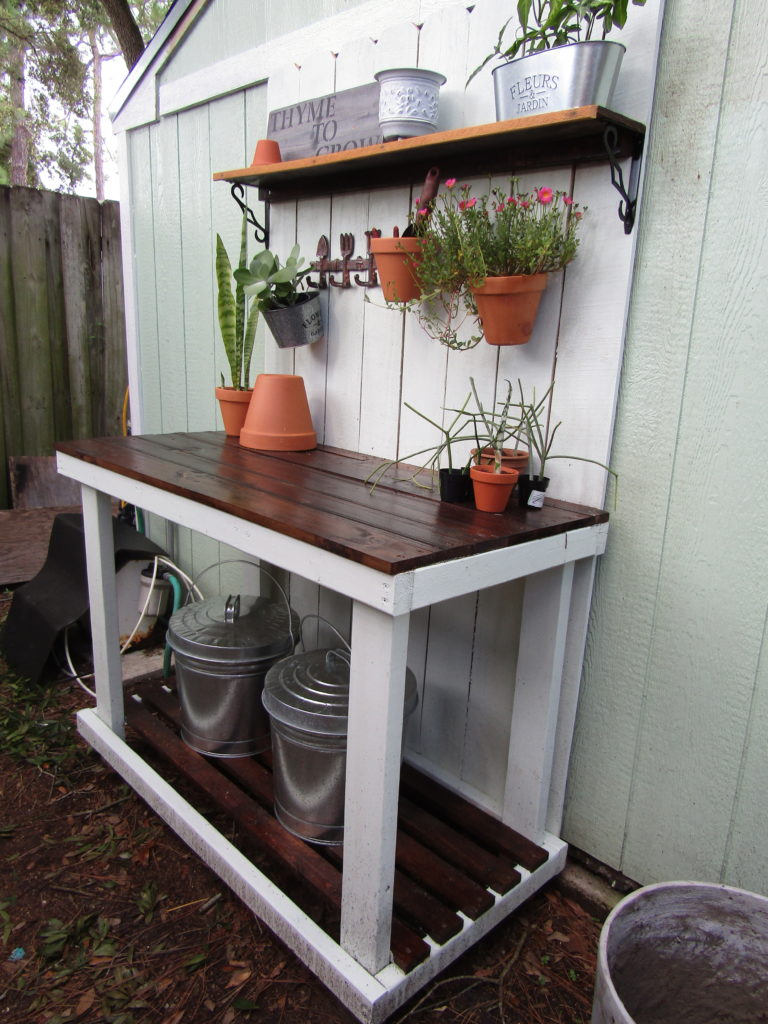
408,101
575,75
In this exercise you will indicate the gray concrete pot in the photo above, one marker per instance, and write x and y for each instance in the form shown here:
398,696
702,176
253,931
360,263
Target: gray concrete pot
684,953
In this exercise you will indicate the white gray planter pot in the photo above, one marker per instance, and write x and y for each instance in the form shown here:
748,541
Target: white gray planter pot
408,101
297,325
575,75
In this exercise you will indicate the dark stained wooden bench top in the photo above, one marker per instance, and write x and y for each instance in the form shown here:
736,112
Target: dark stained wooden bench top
321,497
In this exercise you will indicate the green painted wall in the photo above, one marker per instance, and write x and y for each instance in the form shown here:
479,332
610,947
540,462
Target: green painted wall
669,773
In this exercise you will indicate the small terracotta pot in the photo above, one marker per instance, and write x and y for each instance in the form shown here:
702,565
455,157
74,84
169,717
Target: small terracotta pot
278,417
512,458
234,408
507,307
396,260
267,152
492,490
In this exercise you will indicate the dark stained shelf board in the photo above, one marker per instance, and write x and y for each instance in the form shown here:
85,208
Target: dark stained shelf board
541,140
320,497
443,866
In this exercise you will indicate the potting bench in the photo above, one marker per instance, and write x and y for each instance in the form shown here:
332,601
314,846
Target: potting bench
391,551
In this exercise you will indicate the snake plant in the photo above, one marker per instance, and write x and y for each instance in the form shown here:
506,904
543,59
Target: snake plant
237,325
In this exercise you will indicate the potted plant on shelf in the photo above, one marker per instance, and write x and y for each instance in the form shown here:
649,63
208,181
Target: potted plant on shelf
537,428
237,324
559,58
397,256
488,256
493,482
292,314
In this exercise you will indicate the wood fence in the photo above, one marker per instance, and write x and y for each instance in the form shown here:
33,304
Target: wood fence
62,322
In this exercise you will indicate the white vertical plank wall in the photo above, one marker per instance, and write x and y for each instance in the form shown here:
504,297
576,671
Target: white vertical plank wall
464,651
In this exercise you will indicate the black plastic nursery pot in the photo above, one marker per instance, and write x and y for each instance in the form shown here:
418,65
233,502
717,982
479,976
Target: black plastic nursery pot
531,490
455,485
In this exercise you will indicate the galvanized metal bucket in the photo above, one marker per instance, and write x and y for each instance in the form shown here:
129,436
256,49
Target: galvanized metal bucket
294,326
575,75
307,698
223,648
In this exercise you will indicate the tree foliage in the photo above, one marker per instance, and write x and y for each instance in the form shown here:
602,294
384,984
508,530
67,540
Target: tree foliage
50,57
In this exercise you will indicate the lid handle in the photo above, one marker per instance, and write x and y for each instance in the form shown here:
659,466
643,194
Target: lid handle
336,655
232,608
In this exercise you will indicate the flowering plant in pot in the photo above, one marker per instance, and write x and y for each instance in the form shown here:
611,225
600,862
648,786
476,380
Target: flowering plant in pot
563,43
237,324
291,312
490,254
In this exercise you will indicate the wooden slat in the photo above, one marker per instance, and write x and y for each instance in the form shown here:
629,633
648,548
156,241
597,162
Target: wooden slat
461,851
463,815
412,903
392,531
408,949
24,538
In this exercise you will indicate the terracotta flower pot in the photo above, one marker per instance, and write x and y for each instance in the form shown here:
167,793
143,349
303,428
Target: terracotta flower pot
492,490
278,417
234,408
267,152
508,306
512,458
396,260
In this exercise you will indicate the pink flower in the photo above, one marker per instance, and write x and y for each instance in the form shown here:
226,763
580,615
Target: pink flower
512,201
577,214
567,200
499,208
450,182
545,195
423,212
524,203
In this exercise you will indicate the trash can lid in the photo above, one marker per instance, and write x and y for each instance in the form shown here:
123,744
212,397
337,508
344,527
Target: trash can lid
310,691
233,629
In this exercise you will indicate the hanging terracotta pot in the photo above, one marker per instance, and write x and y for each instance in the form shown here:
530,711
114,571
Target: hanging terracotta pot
492,490
531,490
234,408
512,458
396,261
508,306
278,417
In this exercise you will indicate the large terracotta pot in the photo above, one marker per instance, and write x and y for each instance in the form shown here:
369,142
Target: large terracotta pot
492,490
278,417
512,458
396,260
508,306
234,408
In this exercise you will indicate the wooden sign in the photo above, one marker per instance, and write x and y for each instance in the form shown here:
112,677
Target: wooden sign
328,124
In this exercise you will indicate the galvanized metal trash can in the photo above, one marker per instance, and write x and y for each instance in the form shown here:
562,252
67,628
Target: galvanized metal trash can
223,648
307,698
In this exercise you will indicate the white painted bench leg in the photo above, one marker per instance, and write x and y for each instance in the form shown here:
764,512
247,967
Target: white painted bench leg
377,687
102,593
578,621
543,634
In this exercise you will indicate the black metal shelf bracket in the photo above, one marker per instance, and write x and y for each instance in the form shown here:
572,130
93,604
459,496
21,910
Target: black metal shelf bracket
260,231
628,205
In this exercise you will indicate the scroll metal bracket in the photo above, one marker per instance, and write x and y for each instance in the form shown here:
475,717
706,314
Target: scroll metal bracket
628,205
260,231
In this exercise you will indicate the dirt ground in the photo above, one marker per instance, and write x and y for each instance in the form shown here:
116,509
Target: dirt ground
106,916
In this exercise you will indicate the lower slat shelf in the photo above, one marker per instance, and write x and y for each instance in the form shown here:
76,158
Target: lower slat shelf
451,857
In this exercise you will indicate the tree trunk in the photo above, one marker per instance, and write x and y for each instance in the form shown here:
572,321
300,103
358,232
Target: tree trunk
98,139
20,141
126,29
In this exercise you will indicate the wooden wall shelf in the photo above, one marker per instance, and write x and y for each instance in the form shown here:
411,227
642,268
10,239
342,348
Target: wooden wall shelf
542,140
